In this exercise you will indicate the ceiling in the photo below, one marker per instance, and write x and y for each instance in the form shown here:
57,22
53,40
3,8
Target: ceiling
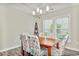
55,6
29,7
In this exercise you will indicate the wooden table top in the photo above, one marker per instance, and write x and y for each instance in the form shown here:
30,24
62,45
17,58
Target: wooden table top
49,42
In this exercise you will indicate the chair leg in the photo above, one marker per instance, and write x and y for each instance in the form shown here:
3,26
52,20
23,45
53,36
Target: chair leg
28,54
22,52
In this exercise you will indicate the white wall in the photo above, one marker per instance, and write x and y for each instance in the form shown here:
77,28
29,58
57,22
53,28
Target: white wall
73,12
2,24
12,22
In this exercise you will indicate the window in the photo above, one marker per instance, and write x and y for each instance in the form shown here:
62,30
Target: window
59,27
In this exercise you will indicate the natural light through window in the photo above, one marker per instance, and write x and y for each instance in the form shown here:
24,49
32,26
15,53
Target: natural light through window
59,27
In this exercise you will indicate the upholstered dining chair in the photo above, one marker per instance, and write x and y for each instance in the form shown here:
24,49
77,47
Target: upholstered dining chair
61,50
34,46
63,44
24,43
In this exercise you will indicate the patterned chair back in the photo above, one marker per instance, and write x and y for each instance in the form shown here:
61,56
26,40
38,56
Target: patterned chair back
24,41
34,45
63,44
60,52
65,40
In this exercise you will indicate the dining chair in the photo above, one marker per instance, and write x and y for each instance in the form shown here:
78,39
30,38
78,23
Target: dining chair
24,43
61,50
63,44
34,46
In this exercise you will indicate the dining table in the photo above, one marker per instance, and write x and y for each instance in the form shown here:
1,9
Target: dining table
49,43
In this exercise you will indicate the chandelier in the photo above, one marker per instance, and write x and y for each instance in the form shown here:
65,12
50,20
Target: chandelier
38,12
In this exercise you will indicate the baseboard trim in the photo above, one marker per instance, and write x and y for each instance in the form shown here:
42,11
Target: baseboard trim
74,49
10,48
20,46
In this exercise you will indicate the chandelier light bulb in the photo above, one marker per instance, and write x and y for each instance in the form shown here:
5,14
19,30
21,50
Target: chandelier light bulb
38,10
47,8
33,12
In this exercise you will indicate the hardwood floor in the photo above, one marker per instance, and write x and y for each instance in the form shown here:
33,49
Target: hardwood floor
71,53
16,52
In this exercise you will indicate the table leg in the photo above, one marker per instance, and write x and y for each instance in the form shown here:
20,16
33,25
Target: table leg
49,51
58,45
